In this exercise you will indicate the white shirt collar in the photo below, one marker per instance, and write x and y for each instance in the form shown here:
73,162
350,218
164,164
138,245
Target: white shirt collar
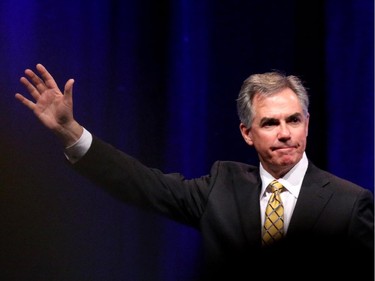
292,181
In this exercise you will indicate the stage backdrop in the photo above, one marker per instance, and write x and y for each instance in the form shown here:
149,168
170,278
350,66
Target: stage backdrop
159,80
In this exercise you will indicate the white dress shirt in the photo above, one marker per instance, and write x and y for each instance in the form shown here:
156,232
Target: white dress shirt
292,182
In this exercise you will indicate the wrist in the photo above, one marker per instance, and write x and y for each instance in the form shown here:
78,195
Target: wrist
69,133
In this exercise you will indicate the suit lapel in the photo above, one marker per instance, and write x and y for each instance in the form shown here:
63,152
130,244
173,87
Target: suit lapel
311,201
247,192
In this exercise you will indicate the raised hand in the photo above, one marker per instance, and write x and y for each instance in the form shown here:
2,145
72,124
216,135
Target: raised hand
52,107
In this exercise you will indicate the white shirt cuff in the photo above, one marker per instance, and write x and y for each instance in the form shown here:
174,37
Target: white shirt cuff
76,151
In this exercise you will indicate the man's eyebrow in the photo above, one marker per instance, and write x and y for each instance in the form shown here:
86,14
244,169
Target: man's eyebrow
271,119
268,119
295,115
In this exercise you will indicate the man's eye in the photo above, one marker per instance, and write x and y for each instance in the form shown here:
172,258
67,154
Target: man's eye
270,123
295,120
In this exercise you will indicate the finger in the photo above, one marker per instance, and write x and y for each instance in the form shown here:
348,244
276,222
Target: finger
25,101
36,80
47,77
30,88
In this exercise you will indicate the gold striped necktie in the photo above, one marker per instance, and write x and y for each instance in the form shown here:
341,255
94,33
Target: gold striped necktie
273,228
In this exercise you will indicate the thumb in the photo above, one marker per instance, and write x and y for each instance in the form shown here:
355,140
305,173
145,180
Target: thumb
68,91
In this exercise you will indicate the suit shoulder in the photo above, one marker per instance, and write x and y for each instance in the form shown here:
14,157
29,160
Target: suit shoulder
334,181
234,166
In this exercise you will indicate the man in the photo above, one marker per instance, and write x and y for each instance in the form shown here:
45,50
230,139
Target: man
321,226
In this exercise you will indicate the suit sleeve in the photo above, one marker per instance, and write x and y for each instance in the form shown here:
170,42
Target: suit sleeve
128,180
361,229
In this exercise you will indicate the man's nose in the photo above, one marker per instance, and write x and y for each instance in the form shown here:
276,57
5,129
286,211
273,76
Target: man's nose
284,131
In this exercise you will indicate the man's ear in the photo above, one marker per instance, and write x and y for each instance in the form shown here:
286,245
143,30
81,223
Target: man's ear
307,124
246,134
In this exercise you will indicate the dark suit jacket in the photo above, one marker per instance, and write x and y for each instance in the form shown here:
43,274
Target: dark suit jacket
330,236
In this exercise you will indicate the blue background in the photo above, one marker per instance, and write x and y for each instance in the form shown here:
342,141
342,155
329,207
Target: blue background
159,80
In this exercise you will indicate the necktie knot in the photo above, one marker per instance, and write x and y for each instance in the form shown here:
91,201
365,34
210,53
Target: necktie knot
276,186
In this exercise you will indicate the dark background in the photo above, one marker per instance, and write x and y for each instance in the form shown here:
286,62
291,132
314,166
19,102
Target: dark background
159,79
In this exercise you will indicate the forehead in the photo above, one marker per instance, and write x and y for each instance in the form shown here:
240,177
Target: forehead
284,102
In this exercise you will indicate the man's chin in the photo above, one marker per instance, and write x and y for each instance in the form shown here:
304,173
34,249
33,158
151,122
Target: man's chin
288,160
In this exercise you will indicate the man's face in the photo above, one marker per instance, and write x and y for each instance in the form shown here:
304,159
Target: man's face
279,131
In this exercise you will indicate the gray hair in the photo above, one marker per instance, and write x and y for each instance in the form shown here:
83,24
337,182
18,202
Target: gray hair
266,85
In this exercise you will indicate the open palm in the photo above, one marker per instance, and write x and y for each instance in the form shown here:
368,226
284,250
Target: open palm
53,108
